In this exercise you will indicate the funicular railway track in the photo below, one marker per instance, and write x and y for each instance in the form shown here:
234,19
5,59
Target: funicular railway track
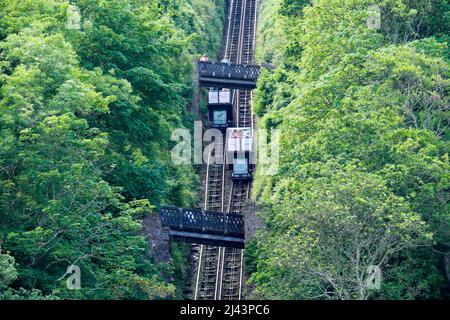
219,274
244,114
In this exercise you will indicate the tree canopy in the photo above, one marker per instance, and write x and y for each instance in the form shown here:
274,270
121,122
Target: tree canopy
85,122
364,172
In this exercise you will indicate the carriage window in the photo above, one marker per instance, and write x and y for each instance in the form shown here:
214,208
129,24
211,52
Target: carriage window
240,165
224,96
213,96
219,117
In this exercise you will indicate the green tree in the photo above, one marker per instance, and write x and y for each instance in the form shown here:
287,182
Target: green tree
353,97
85,123
330,230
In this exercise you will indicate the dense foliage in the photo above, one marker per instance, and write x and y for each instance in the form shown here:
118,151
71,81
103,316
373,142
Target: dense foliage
364,173
85,125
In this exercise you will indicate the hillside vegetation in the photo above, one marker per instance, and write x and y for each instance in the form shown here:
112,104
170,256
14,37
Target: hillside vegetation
364,173
85,123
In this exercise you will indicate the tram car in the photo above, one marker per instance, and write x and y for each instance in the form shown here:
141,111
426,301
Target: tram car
240,153
220,108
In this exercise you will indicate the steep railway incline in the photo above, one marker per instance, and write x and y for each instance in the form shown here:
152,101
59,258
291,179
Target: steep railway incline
219,270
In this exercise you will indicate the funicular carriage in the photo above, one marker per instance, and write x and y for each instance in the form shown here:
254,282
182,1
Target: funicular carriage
240,151
220,108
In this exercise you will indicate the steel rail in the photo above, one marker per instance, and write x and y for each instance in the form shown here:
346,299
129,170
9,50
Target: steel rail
220,270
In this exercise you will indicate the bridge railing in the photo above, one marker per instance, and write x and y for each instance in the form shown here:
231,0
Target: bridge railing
225,70
207,222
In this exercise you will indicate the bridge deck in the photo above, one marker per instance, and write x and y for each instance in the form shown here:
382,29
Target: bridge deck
227,75
208,239
204,227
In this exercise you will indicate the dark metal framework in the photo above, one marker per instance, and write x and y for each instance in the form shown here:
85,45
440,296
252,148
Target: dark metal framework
204,227
228,108
227,75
